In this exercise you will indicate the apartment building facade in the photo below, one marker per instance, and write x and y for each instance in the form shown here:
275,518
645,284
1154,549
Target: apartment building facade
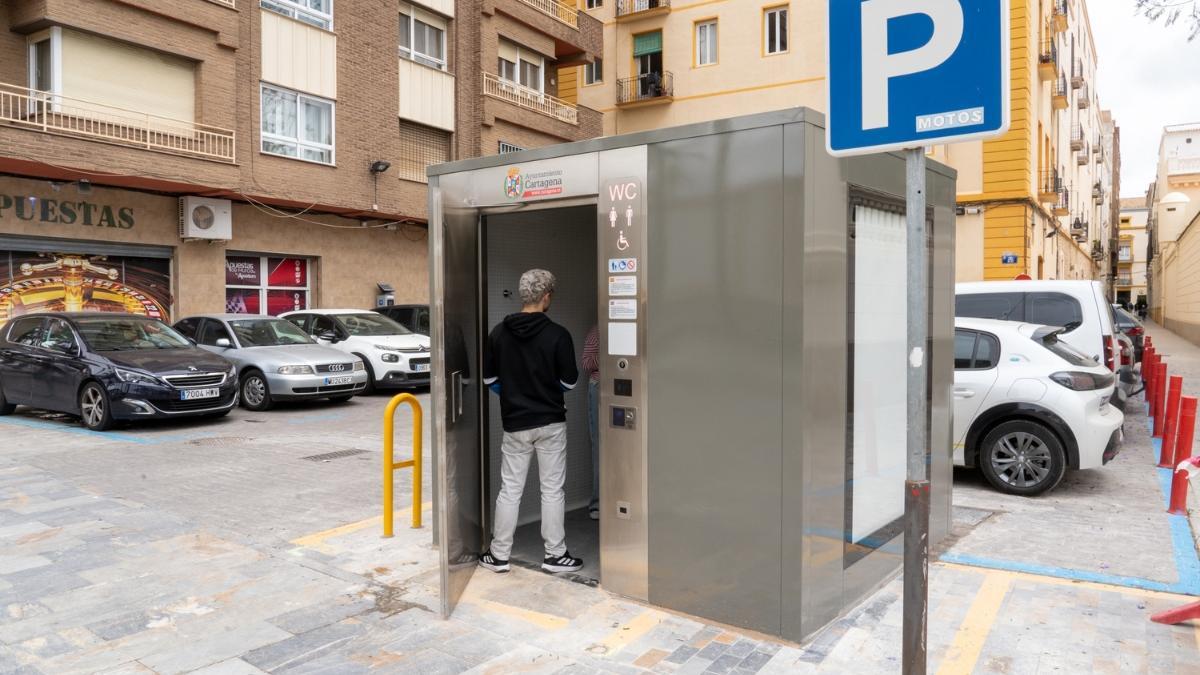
511,55
178,156
1132,248
1174,232
668,62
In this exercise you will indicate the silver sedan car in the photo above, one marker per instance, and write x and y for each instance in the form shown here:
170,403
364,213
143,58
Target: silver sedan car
276,360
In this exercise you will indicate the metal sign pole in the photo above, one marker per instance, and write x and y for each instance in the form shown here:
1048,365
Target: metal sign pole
916,484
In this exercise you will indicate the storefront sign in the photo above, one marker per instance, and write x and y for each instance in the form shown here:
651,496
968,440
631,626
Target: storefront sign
65,212
243,271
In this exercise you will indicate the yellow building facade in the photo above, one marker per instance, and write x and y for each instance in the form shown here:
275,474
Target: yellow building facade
1039,195
1175,232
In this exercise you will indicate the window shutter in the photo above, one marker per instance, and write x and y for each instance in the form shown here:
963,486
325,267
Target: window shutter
647,43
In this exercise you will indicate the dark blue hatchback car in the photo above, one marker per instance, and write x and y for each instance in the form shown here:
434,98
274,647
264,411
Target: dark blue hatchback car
108,366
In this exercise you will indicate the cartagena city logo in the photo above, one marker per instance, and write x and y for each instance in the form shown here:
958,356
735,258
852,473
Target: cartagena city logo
512,183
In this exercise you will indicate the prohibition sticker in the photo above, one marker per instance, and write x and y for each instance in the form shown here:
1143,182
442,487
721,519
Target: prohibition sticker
622,286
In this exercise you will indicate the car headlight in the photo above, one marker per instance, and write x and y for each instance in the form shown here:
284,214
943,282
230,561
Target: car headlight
296,370
134,377
1078,381
386,348
359,365
232,370
390,358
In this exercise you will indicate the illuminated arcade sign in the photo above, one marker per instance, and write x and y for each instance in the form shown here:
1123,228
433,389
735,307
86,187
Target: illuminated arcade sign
64,212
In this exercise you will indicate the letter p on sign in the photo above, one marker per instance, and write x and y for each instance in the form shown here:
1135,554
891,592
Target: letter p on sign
909,73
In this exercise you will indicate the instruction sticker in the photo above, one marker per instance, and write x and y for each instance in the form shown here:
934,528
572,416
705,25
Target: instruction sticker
622,265
622,286
626,310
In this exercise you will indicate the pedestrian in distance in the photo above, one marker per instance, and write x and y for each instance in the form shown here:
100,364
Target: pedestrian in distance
529,361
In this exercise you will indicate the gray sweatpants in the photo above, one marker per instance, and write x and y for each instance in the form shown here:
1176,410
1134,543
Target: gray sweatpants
517,448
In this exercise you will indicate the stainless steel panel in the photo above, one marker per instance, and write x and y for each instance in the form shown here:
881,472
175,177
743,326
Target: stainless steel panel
814,437
622,229
941,194
714,283
455,394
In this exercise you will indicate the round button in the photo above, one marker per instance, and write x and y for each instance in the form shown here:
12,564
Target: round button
622,364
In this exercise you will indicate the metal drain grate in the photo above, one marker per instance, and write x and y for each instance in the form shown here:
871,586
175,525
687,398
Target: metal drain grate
325,457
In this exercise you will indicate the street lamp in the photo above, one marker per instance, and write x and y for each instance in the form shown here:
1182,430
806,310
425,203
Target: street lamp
377,167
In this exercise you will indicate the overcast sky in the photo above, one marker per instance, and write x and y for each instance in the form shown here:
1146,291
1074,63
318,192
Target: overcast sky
1149,76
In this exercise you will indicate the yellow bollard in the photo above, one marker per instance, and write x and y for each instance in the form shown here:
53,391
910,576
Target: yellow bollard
390,466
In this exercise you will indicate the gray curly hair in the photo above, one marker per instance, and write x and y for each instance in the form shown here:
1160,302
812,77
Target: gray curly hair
535,285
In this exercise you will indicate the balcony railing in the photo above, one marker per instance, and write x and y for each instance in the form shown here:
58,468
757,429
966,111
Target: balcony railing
1059,93
1058,15
1048,59
1049,185
647,87
1124,281
629,7
1076,137
1082,97
1084,156
27,108
1077,74
556,10
530,99
1183,165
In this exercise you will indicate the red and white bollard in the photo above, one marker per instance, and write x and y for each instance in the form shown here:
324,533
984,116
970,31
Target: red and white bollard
1187,469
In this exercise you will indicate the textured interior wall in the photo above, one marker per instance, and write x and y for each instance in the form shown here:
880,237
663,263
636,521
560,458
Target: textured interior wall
564,242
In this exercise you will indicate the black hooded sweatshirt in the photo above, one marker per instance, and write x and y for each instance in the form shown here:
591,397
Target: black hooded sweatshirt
533,360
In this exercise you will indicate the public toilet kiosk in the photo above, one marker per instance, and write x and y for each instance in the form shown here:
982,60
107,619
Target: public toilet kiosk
749,291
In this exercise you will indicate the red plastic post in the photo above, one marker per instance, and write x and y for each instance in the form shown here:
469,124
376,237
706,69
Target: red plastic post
1148,362
1178,615
1179,490
1187,430
1160,386
1166,451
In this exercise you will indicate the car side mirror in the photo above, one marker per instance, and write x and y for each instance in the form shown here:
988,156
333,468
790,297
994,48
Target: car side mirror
224,343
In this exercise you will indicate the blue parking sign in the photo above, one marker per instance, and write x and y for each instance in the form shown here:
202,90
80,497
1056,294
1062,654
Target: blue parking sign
909,73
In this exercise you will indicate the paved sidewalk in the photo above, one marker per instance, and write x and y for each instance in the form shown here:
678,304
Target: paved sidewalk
221,549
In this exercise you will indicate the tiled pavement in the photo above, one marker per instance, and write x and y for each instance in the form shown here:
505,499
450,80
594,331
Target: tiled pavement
104,569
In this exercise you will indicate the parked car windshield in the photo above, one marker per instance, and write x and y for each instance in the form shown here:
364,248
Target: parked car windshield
370,323
121,334
268,333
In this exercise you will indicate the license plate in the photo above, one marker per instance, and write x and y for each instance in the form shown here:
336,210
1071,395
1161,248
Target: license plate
192,394
420,367
346,379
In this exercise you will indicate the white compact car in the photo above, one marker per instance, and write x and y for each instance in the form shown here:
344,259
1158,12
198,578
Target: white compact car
1028,406
396,357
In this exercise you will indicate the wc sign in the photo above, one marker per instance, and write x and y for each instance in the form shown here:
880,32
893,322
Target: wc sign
911,73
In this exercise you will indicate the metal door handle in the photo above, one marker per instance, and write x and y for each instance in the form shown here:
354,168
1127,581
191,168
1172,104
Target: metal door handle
963,393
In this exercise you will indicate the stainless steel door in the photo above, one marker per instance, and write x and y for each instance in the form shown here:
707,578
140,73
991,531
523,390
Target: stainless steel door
456,393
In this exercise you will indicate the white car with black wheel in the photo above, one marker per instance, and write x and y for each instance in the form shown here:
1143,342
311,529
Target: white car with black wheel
396,357
1028,407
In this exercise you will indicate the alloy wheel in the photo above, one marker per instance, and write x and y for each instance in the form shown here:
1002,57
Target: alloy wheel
254,391
92,407
1021,459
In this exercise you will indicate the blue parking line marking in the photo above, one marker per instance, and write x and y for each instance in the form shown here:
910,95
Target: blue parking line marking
1187,562
1066,573
53,426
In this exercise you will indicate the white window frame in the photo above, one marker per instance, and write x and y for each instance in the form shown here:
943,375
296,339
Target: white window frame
301,13
594,4
593,73
54,37
300,144
524,54
414,15
772,15
264,272
712,35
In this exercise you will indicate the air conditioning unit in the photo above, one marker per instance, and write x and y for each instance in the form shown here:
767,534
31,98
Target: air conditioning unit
205,218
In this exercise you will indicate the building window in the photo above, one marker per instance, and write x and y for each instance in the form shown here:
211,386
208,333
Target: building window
420,147
706,43
594,71
521,65
775,30
317,13
45,62
422,37
262,285
296,125
506,148
594,4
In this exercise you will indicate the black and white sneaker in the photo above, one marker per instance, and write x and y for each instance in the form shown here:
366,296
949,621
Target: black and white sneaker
562,563
491,562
